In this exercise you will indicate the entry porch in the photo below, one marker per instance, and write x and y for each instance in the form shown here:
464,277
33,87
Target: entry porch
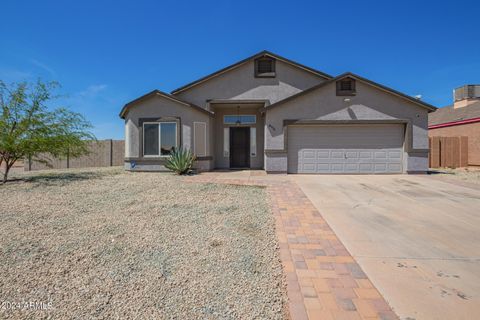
238,134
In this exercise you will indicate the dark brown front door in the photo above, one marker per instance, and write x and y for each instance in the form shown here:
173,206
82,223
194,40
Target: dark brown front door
240,147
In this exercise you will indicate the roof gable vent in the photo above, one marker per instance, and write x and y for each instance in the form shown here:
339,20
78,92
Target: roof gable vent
265,67
346,87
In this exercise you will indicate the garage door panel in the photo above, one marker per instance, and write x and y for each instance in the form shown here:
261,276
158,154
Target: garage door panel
308,154
365,148
380,167
394,155
323,155
336,154
309,167
351,154
351,167
365,167
380,155
336,167
366,155
323,167
394,167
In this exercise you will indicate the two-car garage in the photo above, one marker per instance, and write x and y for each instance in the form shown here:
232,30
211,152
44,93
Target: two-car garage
373,130
341,148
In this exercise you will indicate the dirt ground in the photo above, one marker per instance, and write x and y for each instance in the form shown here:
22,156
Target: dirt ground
105,243
468,175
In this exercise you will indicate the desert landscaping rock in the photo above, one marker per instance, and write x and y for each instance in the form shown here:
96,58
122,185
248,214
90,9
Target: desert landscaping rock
470,175
104,243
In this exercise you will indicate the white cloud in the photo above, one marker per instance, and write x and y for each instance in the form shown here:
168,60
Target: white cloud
92,90
43,66
12,75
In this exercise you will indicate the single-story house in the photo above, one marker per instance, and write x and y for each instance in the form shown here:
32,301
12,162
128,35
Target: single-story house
460,119
268,112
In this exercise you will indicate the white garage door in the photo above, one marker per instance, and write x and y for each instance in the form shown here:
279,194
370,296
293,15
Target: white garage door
365,148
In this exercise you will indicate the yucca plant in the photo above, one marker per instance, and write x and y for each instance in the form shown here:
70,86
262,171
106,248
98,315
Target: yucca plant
180,161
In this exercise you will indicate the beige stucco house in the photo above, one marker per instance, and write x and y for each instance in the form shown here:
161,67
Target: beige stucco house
268,112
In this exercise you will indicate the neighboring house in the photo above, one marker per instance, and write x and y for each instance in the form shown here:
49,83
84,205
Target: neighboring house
268,112
461,119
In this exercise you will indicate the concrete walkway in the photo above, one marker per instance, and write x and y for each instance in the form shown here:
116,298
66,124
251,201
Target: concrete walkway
416,237
323,280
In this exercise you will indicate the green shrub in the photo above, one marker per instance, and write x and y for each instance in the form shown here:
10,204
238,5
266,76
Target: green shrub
180,161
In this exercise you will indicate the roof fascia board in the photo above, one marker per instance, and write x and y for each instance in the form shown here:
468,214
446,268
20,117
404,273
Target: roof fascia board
453,123
301,66
391,91
228,101
361,79
125,108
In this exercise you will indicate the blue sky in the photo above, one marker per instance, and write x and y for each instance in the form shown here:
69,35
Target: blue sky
106,53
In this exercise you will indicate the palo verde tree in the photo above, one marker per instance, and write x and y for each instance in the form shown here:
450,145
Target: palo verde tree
29,129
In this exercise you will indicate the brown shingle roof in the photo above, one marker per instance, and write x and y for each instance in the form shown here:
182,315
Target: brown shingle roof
449,114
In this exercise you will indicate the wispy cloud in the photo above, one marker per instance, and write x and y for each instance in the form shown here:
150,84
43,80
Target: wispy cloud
92,90
43,66
14,75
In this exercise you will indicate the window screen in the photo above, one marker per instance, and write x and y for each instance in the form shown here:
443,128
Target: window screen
168,137
159,139
150,139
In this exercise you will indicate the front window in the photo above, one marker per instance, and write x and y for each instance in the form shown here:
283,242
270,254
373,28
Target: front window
240,119
168,138
159,139
150,139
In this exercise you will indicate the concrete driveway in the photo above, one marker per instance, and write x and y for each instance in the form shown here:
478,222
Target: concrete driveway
417,238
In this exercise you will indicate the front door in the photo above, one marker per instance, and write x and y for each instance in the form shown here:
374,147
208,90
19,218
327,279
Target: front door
239,147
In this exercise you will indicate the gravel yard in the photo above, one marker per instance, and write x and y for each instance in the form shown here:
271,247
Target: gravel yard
470,175
105,243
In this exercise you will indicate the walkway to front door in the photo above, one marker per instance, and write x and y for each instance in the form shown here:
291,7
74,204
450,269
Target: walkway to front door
323,279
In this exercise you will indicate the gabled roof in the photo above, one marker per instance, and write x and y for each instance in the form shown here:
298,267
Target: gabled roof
359,78
161,94
263,53
452,115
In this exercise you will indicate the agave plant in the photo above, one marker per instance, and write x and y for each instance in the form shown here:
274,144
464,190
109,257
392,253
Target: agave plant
180,161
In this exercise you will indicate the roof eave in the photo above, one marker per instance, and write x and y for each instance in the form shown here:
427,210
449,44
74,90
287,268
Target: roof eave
392,91
156,92
420,103
453,123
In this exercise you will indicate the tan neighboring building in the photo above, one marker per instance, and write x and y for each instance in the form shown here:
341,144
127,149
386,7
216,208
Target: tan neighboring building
461,119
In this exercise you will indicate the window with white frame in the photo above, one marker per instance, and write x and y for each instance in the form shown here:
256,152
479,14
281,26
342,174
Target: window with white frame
159,138
239,119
